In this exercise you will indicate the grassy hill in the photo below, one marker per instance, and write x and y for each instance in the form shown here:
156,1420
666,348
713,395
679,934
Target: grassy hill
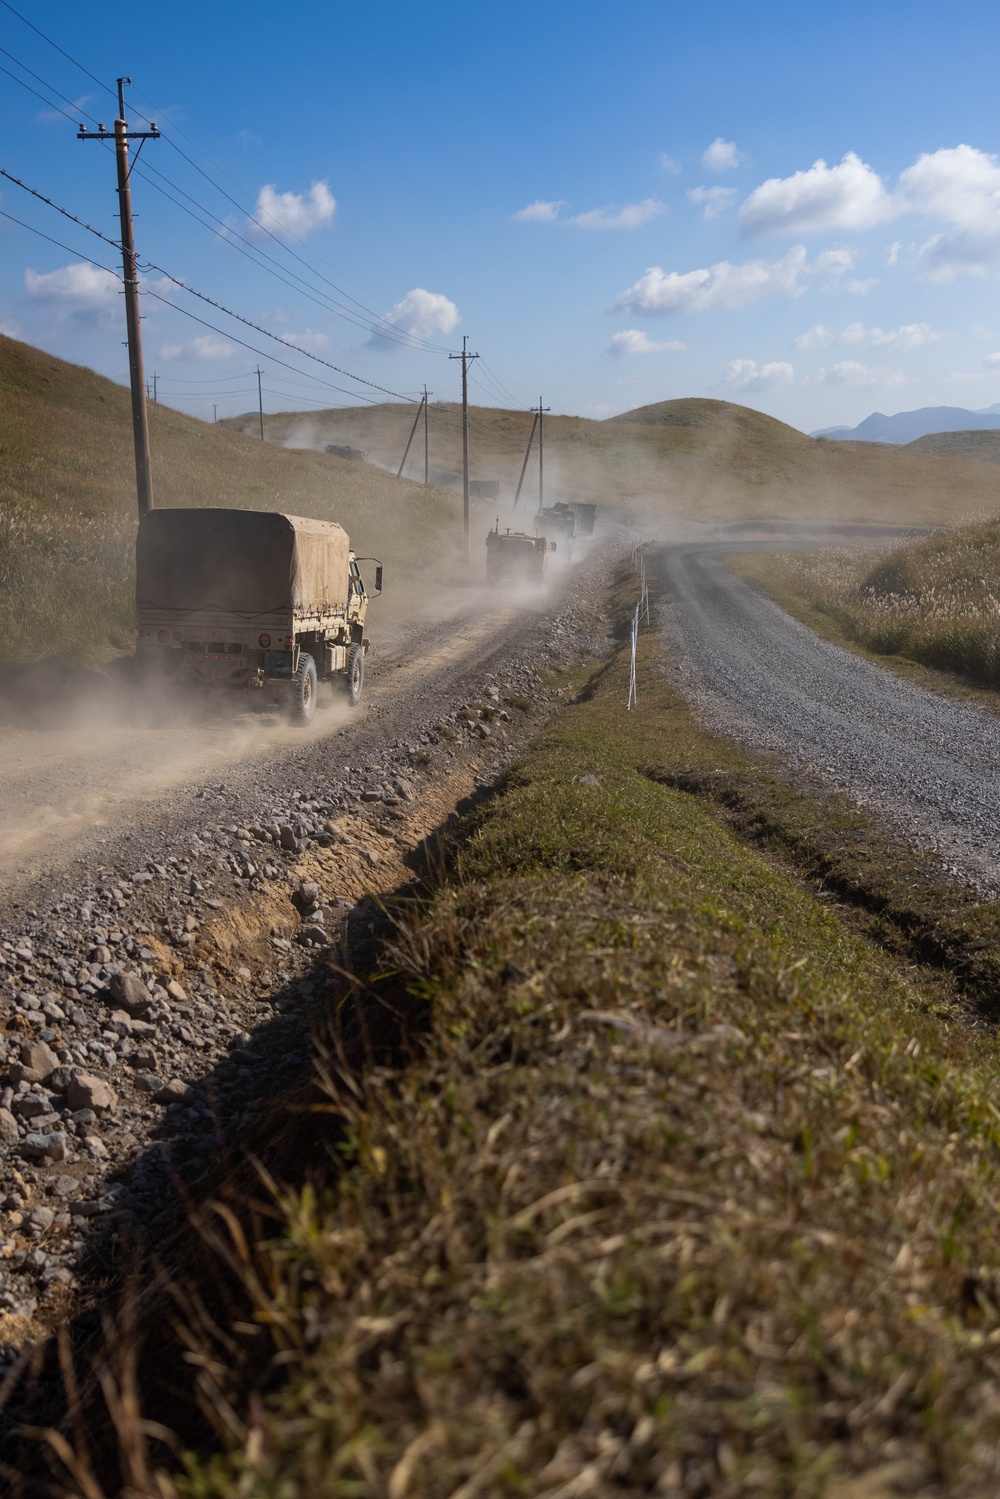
982,446
68,513
691,459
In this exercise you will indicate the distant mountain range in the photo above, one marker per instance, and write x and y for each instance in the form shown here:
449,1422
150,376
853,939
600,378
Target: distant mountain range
906,426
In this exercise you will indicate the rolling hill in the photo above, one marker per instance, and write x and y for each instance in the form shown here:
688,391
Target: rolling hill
984,447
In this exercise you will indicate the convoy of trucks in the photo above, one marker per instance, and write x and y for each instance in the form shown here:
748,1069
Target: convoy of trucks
250,600
513,558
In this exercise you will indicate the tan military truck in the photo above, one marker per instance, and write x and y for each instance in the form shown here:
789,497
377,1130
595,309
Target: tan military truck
250,600
514,557
559,520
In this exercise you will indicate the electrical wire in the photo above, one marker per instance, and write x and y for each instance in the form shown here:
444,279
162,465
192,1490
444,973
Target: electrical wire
100,83
68,248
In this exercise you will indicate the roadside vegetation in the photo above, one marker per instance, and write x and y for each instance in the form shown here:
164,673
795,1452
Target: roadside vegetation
671,1181
936,602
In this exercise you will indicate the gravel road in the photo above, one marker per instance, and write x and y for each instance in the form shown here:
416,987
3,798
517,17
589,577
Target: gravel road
928,765
162,944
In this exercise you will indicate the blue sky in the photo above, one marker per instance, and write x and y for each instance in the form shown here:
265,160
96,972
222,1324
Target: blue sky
792,207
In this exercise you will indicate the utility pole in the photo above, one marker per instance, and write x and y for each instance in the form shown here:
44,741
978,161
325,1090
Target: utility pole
155,378
260,402
465,356
541,451
121,135
524,465
215,412
427,450
409,440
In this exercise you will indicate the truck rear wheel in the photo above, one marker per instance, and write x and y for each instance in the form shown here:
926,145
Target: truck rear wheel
304,691
355,674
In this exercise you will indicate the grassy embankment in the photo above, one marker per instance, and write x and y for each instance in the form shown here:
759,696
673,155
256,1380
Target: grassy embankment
936,602
688,1189
67,502
692,460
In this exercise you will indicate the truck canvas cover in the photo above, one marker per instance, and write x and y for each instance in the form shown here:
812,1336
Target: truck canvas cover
245,562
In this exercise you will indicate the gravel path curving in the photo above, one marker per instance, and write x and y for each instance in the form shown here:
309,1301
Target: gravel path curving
928,765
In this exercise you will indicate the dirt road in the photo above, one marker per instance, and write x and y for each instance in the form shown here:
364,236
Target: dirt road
929,765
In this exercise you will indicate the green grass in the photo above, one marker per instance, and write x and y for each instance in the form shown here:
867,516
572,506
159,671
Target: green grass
687,1188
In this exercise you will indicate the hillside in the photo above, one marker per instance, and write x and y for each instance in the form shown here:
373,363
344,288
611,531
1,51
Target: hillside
690,459
67,500
983,446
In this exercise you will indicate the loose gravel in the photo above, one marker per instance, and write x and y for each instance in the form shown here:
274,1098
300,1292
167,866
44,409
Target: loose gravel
134,1047
927,765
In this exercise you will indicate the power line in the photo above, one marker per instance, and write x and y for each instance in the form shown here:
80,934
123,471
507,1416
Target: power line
100,83
114,243
68,248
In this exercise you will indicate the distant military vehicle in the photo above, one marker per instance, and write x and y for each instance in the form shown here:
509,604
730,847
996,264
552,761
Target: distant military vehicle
585,517
251,600
514,558
344,450
559,520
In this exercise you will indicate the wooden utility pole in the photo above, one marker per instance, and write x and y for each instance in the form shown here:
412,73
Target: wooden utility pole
155,378
409,440
260,402
215,412
524,465
427,450
541,451
121,135
465,356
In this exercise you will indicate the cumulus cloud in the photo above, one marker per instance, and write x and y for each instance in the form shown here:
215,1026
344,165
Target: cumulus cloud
77,290
858,376
661,293
542,211
206,347
634,341
421,314
907,336
747,374
630,216
960,185
721,156
668,164
861,288
308,341
991,361
713,199
850,196
292,215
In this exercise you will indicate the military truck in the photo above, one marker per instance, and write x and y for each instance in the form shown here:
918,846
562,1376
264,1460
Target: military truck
514,557
251,601
585,515
558,519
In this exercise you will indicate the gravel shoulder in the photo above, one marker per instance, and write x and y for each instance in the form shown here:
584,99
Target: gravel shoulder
155,983
927,765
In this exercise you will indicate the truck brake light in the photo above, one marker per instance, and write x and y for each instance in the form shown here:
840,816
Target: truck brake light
163,635
264,640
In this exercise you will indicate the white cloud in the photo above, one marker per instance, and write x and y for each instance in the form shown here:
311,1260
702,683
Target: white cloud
309,341
205,347
960,185
892,253
539,212
907,336
861,288
715,199
747,374
634,341
631,216
292,215
834,262
668,164
77,290
858,376
661,293
850,196
421,314
721,156
991,361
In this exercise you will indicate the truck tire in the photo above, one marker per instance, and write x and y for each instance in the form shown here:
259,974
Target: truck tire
355,674
304,691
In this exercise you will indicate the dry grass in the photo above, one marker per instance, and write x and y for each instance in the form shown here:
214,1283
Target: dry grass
936,602
67,501
689,1192
701,460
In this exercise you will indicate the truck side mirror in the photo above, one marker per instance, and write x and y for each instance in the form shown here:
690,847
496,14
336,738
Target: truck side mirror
378,578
